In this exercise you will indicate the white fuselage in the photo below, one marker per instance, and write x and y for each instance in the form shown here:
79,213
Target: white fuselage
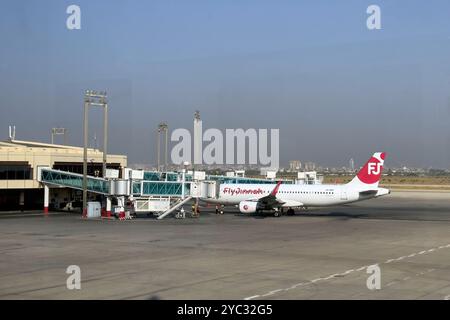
293,195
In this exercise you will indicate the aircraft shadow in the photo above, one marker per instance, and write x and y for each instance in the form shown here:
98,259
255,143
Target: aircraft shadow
337,214
334,214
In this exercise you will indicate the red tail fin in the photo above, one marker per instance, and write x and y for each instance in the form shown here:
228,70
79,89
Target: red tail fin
370,174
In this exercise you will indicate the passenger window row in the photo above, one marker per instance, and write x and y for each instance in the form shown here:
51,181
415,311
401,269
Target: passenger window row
307,192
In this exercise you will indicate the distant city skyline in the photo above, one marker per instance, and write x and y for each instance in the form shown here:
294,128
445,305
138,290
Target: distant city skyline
335,89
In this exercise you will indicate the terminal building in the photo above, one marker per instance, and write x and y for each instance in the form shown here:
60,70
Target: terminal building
19,163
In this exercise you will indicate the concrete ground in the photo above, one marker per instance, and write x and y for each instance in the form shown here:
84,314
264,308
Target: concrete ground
322,254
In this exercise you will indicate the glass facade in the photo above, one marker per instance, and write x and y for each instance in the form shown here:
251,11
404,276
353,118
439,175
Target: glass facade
16,172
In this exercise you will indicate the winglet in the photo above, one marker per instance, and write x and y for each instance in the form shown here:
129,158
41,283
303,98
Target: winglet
275,190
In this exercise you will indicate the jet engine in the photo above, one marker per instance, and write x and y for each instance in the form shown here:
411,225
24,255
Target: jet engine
248,206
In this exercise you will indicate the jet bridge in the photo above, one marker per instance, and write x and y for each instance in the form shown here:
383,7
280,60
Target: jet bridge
140,188
160,197
73,180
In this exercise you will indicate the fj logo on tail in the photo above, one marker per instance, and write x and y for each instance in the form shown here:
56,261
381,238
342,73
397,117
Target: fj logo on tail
374,168
370,173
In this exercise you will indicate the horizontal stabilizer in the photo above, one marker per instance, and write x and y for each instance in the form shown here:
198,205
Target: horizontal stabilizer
368,192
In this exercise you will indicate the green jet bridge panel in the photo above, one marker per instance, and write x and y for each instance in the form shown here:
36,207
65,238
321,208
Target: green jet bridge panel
74,181
104,186
160,188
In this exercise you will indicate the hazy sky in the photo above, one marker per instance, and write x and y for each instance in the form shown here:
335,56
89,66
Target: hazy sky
310,68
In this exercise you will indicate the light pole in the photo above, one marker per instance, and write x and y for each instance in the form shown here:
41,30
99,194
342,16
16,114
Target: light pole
163,129
183,179
92,99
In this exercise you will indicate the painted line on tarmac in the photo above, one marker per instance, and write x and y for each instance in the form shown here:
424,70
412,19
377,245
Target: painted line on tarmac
343,274
391,283
409,277
252,297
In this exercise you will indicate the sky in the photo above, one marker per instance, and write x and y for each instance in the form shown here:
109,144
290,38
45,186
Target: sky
334,88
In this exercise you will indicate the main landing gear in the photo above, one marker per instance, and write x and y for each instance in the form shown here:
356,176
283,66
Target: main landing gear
279,213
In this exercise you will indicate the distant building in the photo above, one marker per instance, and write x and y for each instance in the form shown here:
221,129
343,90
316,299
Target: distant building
352,165
295,165
310,177
310,166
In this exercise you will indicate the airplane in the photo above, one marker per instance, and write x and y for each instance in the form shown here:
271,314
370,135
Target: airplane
256,198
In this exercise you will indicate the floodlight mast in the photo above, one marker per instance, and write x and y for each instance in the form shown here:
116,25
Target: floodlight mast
59,131
162,130
93,98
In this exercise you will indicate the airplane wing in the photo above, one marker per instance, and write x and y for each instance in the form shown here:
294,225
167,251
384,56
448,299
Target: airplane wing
271,201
